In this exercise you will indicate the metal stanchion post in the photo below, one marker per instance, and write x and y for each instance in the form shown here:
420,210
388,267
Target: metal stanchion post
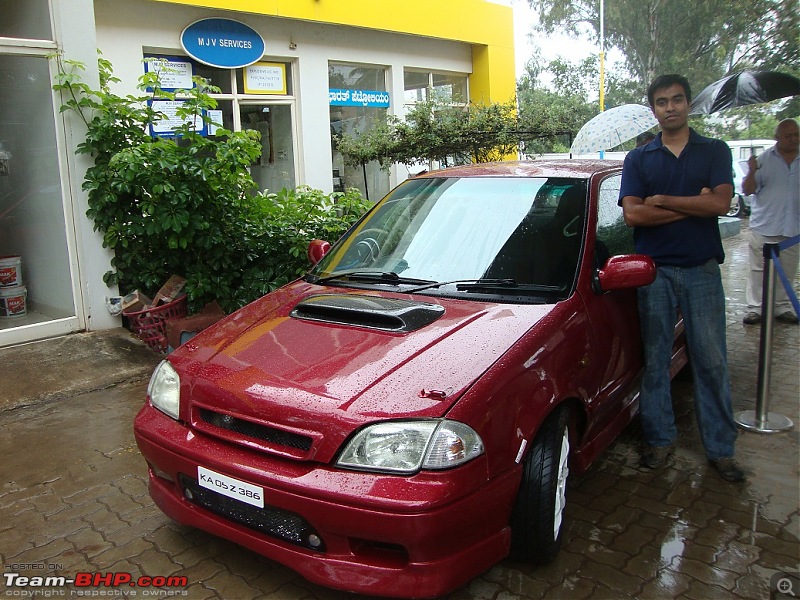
761,420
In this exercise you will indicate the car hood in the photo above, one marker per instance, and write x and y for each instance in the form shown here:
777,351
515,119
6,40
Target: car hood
326,374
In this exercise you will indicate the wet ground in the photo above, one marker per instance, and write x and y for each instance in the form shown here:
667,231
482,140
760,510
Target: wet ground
74,494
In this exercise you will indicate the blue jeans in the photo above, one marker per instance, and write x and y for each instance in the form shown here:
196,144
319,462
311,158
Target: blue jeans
697,292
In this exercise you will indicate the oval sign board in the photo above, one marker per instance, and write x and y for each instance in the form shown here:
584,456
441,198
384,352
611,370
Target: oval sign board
222,43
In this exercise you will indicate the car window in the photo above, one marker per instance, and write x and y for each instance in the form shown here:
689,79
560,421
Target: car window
614,237
444,229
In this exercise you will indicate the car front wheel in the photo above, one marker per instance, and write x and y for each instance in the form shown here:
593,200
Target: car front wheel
537,517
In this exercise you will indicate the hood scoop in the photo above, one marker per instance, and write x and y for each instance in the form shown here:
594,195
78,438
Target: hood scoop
371,312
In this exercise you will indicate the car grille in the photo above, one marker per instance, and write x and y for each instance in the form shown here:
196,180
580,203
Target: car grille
254,430
269,520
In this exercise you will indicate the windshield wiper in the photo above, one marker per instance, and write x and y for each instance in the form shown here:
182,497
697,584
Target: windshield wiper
371,276
469,285
461,283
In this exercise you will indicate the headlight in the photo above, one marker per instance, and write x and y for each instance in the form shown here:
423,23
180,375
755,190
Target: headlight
408,446
164,389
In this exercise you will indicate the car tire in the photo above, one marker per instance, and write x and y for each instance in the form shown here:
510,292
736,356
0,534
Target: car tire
737,209
538,513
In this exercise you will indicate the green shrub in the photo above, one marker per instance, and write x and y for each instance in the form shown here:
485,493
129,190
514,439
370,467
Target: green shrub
187,205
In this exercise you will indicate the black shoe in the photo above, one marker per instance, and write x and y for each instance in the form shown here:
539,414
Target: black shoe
728,469
655,457
752,318
788,317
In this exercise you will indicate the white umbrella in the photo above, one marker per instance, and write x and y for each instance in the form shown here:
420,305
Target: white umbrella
613,127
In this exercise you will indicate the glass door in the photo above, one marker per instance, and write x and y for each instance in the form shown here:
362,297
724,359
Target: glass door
38,274
275,169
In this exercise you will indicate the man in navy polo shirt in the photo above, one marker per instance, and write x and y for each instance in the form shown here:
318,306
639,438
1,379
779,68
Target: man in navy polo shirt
673,190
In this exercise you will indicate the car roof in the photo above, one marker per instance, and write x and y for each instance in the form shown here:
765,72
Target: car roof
572,167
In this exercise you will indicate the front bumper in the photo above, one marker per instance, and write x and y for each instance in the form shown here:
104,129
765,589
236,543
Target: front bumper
416,537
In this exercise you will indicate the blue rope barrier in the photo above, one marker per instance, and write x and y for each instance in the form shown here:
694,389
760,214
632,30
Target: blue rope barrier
787,285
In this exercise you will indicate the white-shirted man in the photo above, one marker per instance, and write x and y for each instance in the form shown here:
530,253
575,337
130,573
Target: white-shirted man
775,179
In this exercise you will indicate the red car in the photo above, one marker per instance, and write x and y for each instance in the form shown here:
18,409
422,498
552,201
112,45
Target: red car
407,414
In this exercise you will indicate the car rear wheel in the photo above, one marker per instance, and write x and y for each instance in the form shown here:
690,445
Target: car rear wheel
537,517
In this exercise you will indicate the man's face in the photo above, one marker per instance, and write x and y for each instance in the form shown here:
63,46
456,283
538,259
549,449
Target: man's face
788,137
671,107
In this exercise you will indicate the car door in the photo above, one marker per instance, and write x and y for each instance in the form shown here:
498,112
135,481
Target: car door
616,358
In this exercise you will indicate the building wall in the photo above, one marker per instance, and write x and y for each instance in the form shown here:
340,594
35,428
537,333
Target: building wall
312,33
76,31
485,25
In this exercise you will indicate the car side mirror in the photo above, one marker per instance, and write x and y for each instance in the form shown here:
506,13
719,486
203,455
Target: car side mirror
625,271
316,250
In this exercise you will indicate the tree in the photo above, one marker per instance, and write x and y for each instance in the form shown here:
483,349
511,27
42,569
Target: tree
550,119
701,40
774,44
436,131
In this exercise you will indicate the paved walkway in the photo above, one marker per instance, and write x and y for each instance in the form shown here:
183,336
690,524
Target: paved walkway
74,496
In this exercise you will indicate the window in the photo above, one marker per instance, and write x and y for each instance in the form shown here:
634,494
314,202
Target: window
442,89
358,101
260,97
29,19
613,235
449,88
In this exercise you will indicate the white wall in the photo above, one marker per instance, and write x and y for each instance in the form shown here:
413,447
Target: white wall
75,34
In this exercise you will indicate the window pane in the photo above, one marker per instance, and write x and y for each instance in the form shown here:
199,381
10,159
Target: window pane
450,88
222,117
356,77
416,86
25,19
218,77
613,235
287,69
274,170
32,223
370,179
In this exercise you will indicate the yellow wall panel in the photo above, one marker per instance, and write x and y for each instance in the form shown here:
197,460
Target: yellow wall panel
487,26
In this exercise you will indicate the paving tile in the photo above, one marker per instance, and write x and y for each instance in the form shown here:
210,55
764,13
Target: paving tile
667,584
227,585
123,552
634,538
613,579
88,542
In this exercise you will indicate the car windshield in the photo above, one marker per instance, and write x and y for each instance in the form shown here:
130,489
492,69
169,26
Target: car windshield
493,231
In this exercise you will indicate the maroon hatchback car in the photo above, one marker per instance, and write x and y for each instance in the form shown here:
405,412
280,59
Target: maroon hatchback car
407,414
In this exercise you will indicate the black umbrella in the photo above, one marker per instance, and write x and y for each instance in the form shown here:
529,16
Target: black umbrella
742,89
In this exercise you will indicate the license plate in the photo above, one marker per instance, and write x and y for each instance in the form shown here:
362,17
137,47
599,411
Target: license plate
230,487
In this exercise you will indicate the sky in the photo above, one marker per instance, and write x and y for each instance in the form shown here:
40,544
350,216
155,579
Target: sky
569,48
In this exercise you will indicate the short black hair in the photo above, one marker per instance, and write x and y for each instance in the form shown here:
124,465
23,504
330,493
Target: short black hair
644,138
665,81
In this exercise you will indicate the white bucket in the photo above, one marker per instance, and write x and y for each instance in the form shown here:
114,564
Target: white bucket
12,301
10,270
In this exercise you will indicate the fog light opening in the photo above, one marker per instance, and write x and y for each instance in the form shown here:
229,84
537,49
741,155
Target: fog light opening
380,553
314,540
162,474
188,493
